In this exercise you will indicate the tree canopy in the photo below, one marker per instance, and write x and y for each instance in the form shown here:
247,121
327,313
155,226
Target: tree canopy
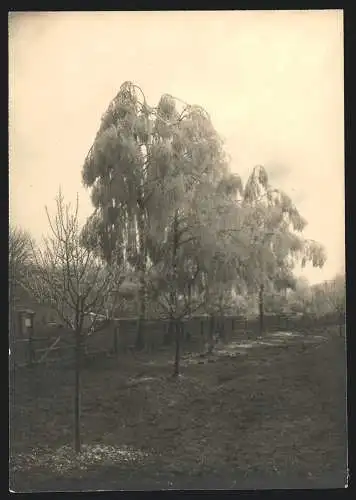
152,169
167,206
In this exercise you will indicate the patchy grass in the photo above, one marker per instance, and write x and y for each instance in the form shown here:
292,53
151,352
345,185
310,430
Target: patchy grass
269,416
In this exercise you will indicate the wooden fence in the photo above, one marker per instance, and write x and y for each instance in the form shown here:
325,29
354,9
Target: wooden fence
57,344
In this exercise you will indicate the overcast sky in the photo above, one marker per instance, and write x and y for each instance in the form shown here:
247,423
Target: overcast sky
271,81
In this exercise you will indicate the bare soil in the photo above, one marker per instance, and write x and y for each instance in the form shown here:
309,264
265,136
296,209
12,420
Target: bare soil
268,416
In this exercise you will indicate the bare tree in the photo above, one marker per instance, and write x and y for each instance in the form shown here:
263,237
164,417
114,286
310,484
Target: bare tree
20,250
329,297
73,280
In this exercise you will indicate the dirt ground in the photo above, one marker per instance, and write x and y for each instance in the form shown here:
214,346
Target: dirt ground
271,415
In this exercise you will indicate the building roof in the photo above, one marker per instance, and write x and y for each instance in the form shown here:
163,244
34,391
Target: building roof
24,310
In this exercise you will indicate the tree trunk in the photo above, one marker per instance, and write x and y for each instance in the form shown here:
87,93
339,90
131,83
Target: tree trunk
222,326
141,317
211,333
142,274
261,309
78,356
173,295
167,339
177,353
116,334
189,308
30,343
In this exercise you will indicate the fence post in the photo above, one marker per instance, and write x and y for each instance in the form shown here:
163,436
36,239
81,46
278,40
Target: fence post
30,344
201,332
341,323
223,329
116,328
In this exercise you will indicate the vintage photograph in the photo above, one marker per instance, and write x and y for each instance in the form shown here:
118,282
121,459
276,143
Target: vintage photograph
177,251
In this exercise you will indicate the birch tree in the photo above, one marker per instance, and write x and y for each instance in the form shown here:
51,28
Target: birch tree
277,243
141,168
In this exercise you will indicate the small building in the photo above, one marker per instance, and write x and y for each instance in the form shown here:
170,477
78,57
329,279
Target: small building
25,322
25,307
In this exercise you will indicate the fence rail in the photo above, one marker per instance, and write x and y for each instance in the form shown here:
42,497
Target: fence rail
120,335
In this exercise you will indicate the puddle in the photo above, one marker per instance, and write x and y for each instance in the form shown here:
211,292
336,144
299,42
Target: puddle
277,340
271,343
285,334
241,348
143,379
238,345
